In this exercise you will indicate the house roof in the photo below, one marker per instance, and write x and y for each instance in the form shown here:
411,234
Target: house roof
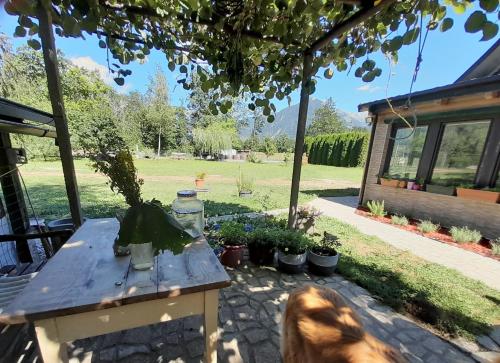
21,119
482,76
487,65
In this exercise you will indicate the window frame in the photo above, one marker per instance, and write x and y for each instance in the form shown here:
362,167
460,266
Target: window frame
390,148
489,163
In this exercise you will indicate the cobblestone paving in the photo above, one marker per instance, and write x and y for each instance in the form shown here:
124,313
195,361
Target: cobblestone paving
250,323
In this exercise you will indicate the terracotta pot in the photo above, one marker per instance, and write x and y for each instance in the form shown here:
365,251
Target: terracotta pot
232,256
393,183
261,255
477,194
200,183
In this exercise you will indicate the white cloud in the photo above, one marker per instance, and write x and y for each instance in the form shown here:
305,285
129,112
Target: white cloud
91,65
368,88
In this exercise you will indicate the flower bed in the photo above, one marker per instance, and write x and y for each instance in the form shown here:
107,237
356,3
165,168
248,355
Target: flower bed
443,235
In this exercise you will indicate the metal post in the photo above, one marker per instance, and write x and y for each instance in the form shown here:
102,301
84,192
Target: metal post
59,113
299,139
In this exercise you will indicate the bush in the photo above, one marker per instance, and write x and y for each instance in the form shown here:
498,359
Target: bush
495,246
465,235
252,158
346,149
233,234
292,242
376,207
428,227
263,236
399,220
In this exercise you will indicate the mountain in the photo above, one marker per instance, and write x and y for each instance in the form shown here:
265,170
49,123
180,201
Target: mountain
286,120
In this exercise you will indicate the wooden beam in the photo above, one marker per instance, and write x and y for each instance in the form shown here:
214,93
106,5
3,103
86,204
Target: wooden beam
58,111
299,139
345,26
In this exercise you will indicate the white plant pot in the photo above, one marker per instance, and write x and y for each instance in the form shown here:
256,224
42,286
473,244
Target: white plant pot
291,263
322,265
142,255
410,185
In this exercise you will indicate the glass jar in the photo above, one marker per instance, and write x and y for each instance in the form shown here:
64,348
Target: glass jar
188,211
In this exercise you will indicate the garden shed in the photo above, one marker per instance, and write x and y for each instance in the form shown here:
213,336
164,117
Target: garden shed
435,154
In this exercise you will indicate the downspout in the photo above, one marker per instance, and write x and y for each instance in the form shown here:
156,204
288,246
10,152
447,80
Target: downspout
367,163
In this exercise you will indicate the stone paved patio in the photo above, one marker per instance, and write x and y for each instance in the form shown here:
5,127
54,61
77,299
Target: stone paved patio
250,323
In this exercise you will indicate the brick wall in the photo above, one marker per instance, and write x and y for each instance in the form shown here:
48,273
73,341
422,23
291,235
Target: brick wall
445,210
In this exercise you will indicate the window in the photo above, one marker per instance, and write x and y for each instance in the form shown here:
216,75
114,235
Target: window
406,152
460,153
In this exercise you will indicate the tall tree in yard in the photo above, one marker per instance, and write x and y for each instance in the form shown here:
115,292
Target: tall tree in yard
326,120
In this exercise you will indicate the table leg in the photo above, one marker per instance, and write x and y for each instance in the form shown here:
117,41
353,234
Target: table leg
210,325
51,349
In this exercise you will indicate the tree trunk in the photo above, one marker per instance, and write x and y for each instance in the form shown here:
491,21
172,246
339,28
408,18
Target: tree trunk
159,143
299,139
59,113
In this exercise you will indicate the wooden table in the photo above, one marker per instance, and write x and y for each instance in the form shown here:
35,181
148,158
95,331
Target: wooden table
84,291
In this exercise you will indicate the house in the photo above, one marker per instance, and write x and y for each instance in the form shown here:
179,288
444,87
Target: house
456,142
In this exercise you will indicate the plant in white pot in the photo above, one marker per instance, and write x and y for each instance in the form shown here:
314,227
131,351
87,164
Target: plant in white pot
323,258
146,229
292,251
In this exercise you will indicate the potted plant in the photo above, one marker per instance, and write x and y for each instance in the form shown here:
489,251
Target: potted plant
388,181
292,251
245,185
489,195
233,238
306,219
200,180
419,184
410,184
146,228
322,259
261,245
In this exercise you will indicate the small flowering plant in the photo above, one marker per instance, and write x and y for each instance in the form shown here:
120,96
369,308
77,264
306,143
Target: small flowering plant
292,242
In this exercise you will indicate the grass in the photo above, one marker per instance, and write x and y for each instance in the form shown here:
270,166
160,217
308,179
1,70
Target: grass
163,178
452,303
399,220
428,227
465,235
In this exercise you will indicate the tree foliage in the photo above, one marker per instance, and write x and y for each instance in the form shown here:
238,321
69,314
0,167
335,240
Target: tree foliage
254,46
326,120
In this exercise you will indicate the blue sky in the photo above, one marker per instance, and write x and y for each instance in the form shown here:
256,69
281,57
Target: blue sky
446,56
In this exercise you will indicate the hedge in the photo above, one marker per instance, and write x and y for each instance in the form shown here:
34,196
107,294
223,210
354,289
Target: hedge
346,149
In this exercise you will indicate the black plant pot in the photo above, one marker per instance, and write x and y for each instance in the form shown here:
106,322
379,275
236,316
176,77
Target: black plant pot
245,194
261,255
322,264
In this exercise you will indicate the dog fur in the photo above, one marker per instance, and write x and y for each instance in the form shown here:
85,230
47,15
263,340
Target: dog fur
319,327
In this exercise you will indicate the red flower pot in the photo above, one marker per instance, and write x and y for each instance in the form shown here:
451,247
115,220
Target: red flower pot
232,256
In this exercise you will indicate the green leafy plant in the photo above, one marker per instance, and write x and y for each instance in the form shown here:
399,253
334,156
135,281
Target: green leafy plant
376,207
327,245
292,242
426,226
252,158
244,183
399,220
495,246
136,228
232,234
265,237
465,235
201,175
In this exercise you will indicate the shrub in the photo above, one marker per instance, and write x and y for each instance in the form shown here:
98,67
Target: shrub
376,208
428,227
252,158
465,235
399,220
495,246
265,237
292,242
347,149
232,234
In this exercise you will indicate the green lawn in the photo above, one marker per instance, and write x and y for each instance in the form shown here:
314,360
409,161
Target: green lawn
162,178
441,297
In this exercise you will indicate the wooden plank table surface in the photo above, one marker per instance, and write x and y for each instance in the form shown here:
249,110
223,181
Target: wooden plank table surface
85,290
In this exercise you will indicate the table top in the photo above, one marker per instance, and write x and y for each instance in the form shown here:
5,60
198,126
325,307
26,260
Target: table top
85,275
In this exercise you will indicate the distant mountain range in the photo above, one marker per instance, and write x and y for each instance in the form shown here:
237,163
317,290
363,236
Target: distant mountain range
286,120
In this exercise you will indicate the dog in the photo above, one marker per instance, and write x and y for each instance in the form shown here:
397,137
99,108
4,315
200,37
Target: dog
319,327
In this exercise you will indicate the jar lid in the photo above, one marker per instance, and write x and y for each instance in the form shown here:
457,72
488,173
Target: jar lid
186,193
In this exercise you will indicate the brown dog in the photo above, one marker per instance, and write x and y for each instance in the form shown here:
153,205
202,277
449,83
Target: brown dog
319,327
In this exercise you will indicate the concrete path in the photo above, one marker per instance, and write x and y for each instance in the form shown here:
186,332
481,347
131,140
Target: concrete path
473,265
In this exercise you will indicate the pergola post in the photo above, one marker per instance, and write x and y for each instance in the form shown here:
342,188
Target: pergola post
299,139
59,113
